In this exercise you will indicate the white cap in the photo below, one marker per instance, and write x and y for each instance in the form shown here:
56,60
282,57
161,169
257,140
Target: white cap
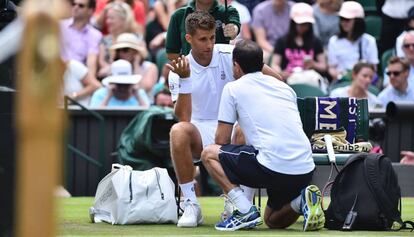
121,74
351,10
302,13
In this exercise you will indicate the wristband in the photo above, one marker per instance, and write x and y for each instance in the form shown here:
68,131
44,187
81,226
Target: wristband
185,86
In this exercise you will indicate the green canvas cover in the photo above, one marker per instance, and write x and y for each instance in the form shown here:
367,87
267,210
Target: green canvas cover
307,109
144,143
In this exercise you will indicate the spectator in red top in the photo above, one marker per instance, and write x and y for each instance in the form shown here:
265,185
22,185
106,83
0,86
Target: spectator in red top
137,7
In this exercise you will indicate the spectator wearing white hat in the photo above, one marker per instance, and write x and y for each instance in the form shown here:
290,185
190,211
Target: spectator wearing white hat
351,44
120,89
299,49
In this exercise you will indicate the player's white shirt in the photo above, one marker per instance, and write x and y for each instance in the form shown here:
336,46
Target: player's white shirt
207,86
207,82
267,112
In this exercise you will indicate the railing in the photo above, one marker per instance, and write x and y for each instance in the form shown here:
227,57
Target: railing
100,163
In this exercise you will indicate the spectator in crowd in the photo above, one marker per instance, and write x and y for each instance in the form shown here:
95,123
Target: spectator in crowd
394,16
245,18
398,89
121,88
299,49
78,83
79,39
119,20
228,25
163,98
408,158
129,47
326,19
409,26
408,50
270,22
156,33
362,75
138,11
352,44
250,4
277,156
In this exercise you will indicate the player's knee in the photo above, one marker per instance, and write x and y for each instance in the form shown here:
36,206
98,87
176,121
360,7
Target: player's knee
275,224
207,154
179,129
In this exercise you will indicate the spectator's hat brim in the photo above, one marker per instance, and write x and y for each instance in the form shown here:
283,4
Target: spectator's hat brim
122,79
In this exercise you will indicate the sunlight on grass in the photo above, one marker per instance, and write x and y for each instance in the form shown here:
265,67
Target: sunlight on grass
74,221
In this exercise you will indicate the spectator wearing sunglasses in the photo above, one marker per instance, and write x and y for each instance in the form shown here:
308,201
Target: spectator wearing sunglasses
79,39
399,89
408,50
409,26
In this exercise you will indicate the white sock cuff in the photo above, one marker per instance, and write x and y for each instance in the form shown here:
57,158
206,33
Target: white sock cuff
188,190
248,192
295,204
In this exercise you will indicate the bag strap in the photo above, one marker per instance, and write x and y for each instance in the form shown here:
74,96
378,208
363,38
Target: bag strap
405,226
372,171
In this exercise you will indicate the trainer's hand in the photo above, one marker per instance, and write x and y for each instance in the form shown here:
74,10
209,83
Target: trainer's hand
180,66
408,158
230,30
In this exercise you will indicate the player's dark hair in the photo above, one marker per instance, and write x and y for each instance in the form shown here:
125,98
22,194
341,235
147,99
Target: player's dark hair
199,20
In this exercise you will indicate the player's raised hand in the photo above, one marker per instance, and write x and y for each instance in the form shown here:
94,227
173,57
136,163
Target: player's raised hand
180,66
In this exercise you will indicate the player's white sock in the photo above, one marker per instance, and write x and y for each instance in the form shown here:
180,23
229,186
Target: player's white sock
248,192
295,204
188,190
240,200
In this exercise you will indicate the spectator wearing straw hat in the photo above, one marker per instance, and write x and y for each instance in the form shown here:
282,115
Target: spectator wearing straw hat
130,48
120,88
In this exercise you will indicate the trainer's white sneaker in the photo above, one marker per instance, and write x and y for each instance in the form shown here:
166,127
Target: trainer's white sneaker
192,215
229,207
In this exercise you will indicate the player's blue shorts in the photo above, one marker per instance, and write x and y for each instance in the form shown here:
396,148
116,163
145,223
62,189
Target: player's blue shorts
241,167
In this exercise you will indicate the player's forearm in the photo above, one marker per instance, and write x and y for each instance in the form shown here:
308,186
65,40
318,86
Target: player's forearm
182,108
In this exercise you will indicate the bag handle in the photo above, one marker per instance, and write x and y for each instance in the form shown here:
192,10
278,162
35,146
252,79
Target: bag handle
117,166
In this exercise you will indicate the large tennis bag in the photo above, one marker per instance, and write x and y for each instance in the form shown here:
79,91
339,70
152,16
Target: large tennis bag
365,195
127,196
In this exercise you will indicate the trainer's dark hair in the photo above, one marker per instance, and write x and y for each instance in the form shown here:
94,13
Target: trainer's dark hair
199,20
249,56
358,29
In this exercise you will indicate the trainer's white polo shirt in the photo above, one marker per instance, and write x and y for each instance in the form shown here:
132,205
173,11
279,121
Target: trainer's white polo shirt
267,112
207,86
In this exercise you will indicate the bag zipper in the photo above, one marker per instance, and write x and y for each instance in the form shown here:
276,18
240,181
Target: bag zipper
158,182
